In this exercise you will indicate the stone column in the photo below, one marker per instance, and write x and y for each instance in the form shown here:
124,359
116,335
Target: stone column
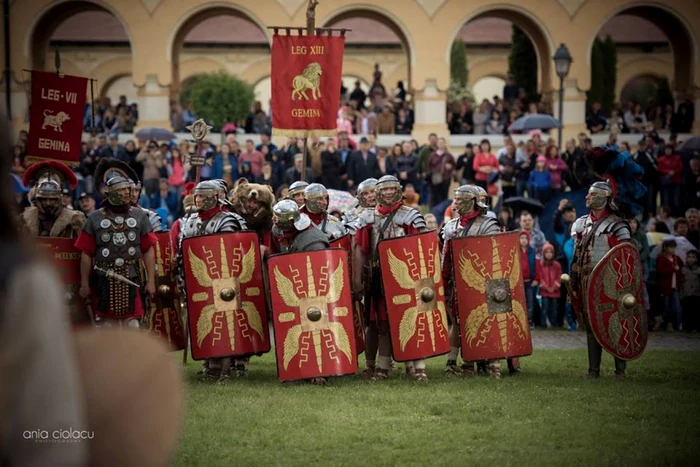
429,106
154,104
574,117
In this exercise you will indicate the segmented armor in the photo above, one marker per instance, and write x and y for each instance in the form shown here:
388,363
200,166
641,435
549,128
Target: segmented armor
593,240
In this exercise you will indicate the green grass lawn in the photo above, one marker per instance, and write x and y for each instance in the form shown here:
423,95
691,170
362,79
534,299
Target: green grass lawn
547,415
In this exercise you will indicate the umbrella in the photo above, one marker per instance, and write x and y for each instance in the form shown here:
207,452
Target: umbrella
535,122
155,134
17,185
693,144
519,204
340,201
683,246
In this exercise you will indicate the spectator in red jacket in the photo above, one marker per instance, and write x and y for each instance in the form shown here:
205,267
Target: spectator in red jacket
531,270
550,286
669,276
671,170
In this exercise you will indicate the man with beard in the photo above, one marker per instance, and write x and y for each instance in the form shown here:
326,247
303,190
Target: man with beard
48,217
114,241
389,219
212,217
316,207
472,221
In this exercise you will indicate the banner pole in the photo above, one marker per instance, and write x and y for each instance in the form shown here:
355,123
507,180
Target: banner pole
310,31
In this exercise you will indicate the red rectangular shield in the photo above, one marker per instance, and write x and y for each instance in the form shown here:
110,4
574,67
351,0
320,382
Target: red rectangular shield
345,242
65,257
492,311
56,116
312,314
225,295
415,296
306,76
165,315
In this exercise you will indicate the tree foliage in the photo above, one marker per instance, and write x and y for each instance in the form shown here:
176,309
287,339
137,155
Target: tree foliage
458,63
219,98
609,73
595,93
522,62
186,89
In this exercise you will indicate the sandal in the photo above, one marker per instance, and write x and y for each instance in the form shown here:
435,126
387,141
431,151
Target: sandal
420,376
467,370
451,367
380,375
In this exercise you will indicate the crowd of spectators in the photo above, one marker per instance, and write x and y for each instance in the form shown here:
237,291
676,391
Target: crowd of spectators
635,119
102,116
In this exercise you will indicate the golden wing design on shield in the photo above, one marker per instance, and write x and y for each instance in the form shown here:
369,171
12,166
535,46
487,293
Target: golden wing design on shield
337,283
204,323
609,281
520,320
291,345
514,276
615,330
474,322
199,270
443,313
437,273
341,339
253,317
400,272
407,326
469,275
286,289
248,266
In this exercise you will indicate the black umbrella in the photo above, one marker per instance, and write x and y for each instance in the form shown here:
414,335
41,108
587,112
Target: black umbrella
519,204
693,144
155,134
535,122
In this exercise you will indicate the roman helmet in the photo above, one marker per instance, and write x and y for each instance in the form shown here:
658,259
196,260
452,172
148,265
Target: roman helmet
48,178
366,194
599,195
188,198
314,197
466,199
223,192
384,185
482,198
287,217
124,177
207,195
296,192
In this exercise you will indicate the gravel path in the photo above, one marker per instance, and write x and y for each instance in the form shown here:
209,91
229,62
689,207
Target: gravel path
556,339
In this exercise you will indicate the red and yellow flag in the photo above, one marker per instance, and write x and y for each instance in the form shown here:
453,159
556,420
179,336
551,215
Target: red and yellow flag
306,79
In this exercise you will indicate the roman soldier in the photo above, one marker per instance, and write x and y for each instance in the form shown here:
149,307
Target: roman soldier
296,192
367,199
606,282
486,201
114,241
472,221
293,229
211,217
316,207
389,219
48,217
153,217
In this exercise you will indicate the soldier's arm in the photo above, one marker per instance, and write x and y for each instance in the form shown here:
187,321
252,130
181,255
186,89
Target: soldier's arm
149,259
358,261
85,270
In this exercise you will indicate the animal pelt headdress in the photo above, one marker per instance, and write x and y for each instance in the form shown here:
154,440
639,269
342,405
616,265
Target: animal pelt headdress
624,176
49,176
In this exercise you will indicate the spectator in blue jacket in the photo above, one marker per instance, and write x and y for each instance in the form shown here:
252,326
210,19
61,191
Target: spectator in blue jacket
540,181
224,160
165,198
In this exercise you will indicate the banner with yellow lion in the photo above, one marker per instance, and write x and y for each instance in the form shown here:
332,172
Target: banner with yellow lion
306,78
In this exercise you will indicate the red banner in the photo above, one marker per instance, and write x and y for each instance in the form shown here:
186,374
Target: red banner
306,78
56,120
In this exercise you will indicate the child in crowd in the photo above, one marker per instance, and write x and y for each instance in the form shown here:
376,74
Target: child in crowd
670,279
540,180
550,286
690,295
531,271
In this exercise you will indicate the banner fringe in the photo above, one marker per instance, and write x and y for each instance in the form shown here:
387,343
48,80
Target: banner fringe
304,133
41,159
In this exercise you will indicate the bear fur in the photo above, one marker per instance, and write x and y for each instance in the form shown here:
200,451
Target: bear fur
253,202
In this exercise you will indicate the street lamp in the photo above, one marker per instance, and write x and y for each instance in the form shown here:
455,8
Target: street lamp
562,63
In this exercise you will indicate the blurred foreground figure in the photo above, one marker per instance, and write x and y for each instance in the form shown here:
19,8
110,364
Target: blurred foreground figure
73,399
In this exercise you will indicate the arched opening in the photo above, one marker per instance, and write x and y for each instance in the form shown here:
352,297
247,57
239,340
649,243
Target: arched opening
73,27
211,35
378,40
263,92
117,86
487,88
504,32
646,90
655,33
